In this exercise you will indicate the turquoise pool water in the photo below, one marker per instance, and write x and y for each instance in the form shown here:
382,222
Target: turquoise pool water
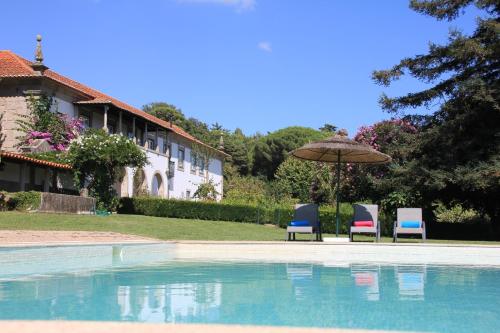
137,283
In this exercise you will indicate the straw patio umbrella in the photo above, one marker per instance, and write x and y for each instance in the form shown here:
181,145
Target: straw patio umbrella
340,149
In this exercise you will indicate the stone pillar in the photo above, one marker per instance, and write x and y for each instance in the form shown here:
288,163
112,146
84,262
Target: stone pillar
105,126
146,144
120,126
46,180
22,177
133,130
156,139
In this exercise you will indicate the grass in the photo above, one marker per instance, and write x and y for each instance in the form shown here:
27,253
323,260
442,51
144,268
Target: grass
164,228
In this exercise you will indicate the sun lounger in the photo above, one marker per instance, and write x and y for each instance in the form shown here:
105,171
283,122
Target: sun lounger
365,221
305,221
409,222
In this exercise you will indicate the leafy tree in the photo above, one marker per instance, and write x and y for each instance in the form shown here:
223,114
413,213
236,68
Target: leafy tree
206,191
271,150
329,128
237,146
305,180
98,159
457,155
167,112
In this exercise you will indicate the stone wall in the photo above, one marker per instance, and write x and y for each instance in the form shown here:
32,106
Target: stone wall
11,107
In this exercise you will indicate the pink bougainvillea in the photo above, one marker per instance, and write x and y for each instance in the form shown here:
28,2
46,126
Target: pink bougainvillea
70,130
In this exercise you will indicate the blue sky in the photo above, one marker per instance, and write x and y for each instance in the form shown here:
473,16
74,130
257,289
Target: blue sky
259,65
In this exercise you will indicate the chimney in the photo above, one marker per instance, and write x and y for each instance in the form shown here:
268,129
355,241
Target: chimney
38,65
221,142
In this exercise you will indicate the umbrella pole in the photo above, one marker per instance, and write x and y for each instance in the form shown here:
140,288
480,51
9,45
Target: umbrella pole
337,195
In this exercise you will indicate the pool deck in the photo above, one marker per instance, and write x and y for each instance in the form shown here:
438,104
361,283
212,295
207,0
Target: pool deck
115,327
329,254
11,238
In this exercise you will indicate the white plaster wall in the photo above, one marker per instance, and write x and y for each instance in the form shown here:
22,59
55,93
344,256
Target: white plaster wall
63,104
182,181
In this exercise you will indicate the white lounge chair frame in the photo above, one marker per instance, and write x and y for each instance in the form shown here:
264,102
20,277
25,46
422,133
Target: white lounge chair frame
409,214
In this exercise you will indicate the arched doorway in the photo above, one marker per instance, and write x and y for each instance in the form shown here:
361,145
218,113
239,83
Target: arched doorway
157,185
140,183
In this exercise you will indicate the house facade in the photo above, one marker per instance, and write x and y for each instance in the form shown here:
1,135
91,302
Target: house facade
175,169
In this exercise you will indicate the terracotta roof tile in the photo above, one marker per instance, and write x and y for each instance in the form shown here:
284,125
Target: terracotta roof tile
21,157
12,65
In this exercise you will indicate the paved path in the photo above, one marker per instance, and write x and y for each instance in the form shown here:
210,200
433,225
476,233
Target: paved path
28,237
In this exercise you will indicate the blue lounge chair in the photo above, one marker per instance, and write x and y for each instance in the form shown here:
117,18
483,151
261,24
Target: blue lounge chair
305,221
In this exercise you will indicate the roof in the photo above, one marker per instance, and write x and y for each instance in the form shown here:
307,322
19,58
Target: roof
21,157
13,65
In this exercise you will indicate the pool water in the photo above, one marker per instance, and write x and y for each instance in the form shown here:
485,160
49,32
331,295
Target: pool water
107,283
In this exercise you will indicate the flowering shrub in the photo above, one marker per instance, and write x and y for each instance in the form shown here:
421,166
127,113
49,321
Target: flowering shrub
394,137
98,159
384,133
45,124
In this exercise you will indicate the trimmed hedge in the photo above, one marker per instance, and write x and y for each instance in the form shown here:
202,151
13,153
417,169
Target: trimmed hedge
214,211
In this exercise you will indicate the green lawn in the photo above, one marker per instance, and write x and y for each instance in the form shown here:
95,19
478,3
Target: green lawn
161,228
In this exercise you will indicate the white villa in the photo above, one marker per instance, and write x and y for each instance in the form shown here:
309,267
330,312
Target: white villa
173,170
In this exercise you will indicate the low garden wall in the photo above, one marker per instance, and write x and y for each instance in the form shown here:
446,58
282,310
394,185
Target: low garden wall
46,202
63,203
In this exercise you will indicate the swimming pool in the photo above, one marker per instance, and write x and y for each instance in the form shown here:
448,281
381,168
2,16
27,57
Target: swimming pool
146,283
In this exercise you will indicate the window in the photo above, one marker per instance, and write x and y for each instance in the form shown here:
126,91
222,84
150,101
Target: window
180,158
201,164
171,169
194,162
188,194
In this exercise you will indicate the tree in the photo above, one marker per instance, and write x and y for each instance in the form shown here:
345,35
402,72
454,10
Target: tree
457,154
271,150
329,128
305,180
167,112
237,146
98,159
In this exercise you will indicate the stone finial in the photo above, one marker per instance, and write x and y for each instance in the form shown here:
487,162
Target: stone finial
221,142
38,52
38,65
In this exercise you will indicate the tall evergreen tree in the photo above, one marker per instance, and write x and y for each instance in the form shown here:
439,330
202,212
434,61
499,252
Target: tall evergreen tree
457,155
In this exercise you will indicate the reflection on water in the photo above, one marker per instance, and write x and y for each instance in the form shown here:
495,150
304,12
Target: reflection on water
445,299
411,282
366,279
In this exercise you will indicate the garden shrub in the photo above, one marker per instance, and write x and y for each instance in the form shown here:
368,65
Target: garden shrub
23,201
455,214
